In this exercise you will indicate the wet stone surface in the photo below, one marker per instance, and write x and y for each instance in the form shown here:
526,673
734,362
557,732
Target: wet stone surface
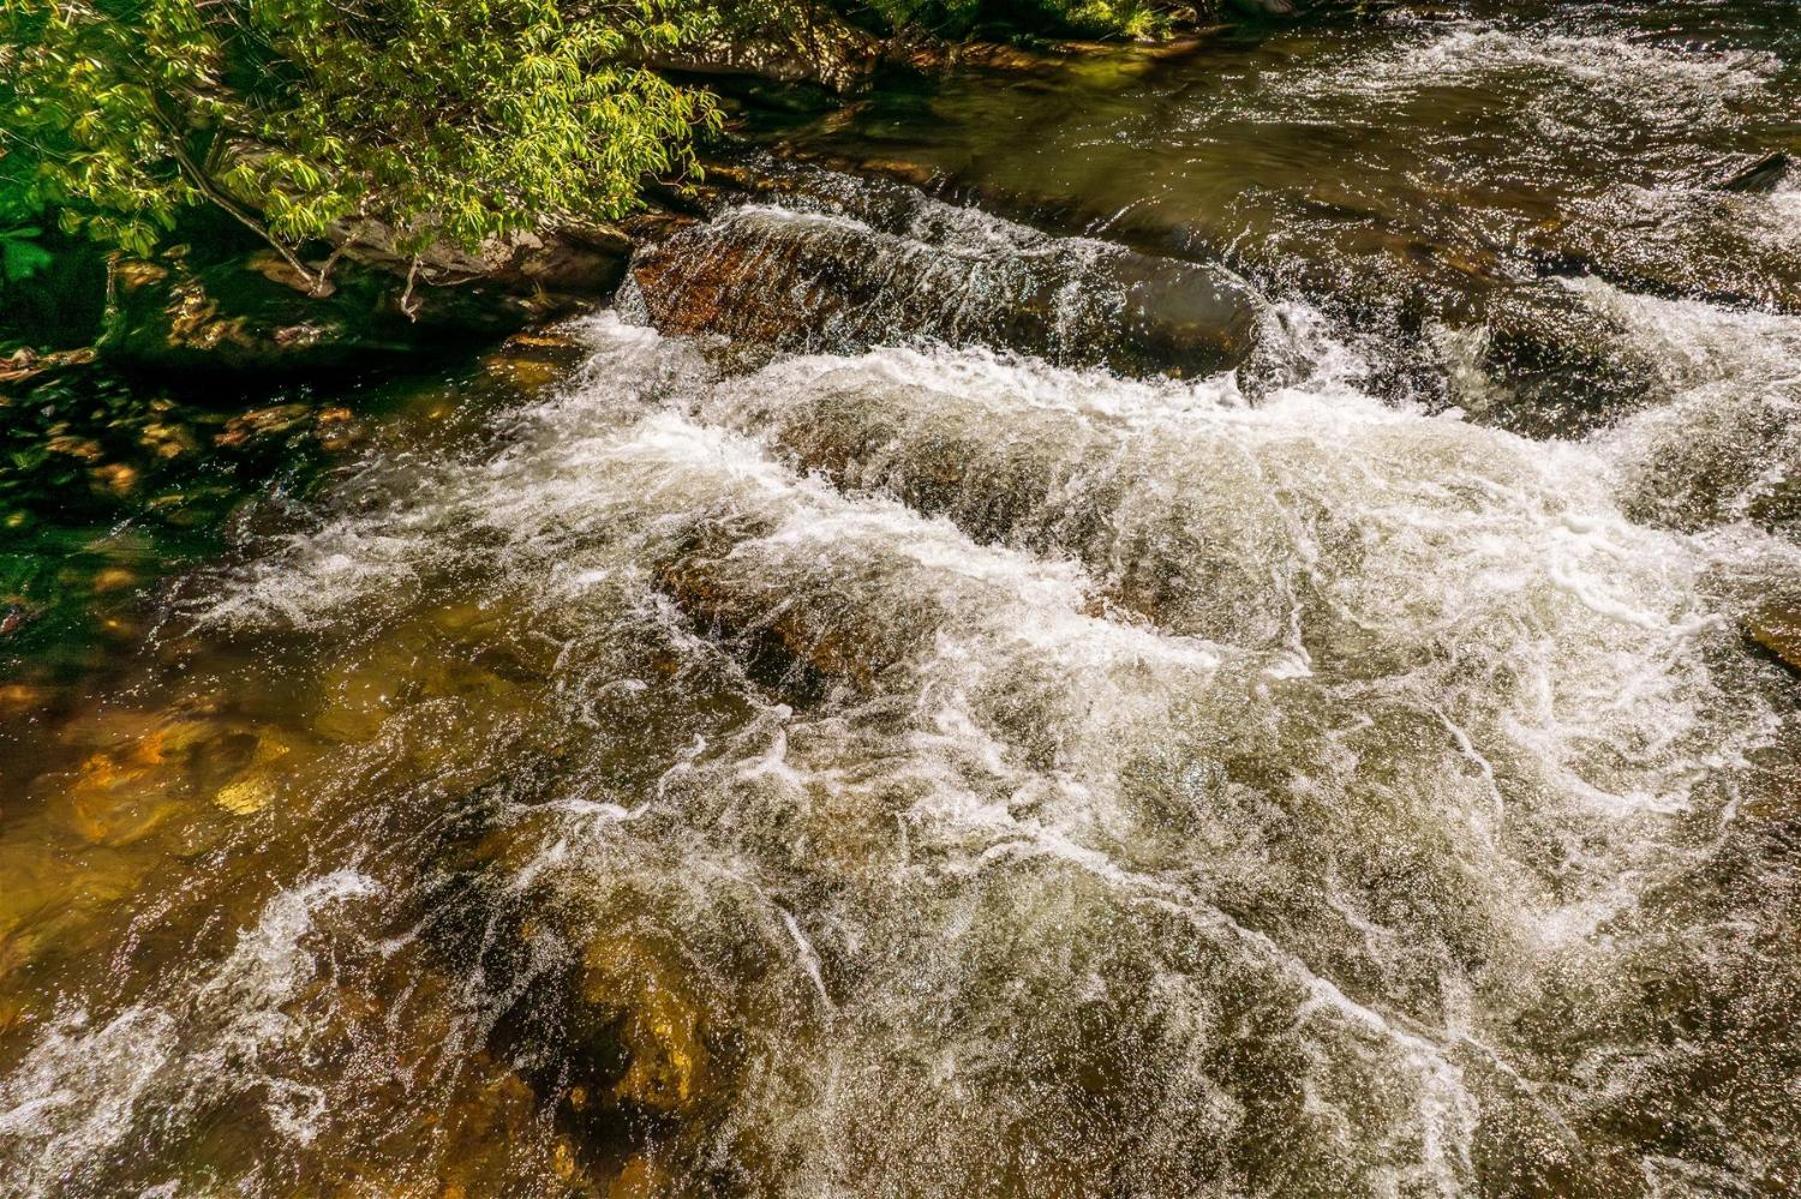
842,268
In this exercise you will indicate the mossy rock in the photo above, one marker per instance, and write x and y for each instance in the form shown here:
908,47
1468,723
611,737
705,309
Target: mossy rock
253,313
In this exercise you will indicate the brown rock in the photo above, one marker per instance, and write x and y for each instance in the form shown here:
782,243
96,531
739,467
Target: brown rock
533,361
117,477
84,448
114,578
579,260
121,796
1761,176
810,280
16,698
145,770
640,1178
780,637
276,269
132,274
263,422
816,46
26,364
167,440
660,1022
1777,628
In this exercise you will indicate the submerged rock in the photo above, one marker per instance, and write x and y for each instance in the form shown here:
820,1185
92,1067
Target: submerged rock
638,990
531,362
26,365
1761,176
256,312
1777,628
147,771
796,627
232,316
847,269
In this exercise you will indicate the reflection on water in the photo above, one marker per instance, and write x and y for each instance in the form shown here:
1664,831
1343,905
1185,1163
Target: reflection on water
646,769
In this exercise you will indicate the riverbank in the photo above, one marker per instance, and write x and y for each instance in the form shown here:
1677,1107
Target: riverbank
294,221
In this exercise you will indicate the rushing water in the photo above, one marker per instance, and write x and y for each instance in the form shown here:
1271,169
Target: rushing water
916,769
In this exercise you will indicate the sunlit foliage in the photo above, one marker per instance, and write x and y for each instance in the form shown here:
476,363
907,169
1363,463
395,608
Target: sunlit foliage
444,119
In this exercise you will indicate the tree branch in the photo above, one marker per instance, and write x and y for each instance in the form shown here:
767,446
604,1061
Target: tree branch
203,183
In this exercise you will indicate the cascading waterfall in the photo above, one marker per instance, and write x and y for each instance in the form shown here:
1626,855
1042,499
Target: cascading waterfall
994,858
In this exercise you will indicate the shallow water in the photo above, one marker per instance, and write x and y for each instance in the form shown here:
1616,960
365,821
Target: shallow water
922,770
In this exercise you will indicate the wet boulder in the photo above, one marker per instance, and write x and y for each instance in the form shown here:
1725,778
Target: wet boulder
551,268
1176,533
532,361
1761,176
816,273
250,314
638,988
612,1023
799,635
25,365
1538,358
1776,628
144,772
1728,243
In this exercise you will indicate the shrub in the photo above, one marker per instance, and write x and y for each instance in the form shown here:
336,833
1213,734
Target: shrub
444,119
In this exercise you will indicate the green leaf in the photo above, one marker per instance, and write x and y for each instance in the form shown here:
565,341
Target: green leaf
20,259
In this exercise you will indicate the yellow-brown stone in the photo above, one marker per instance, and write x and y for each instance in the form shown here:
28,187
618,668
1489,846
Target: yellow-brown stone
114,578
1777,628
661,1027
116,477
640,1178
246,796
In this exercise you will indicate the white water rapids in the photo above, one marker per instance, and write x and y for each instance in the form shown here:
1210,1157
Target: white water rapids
1119,782
936,771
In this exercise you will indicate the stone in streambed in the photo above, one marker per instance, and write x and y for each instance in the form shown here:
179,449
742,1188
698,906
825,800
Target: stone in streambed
531,362
149,771
641,992
796,629
1177,314
641,1178
26,365
256,314
618,1032
823,49
545,270
820,280
1761,176
1777,628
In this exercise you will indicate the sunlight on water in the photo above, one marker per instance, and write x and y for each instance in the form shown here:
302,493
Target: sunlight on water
908,765
1480,734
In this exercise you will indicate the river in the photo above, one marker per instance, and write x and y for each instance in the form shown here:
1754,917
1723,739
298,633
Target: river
976,742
